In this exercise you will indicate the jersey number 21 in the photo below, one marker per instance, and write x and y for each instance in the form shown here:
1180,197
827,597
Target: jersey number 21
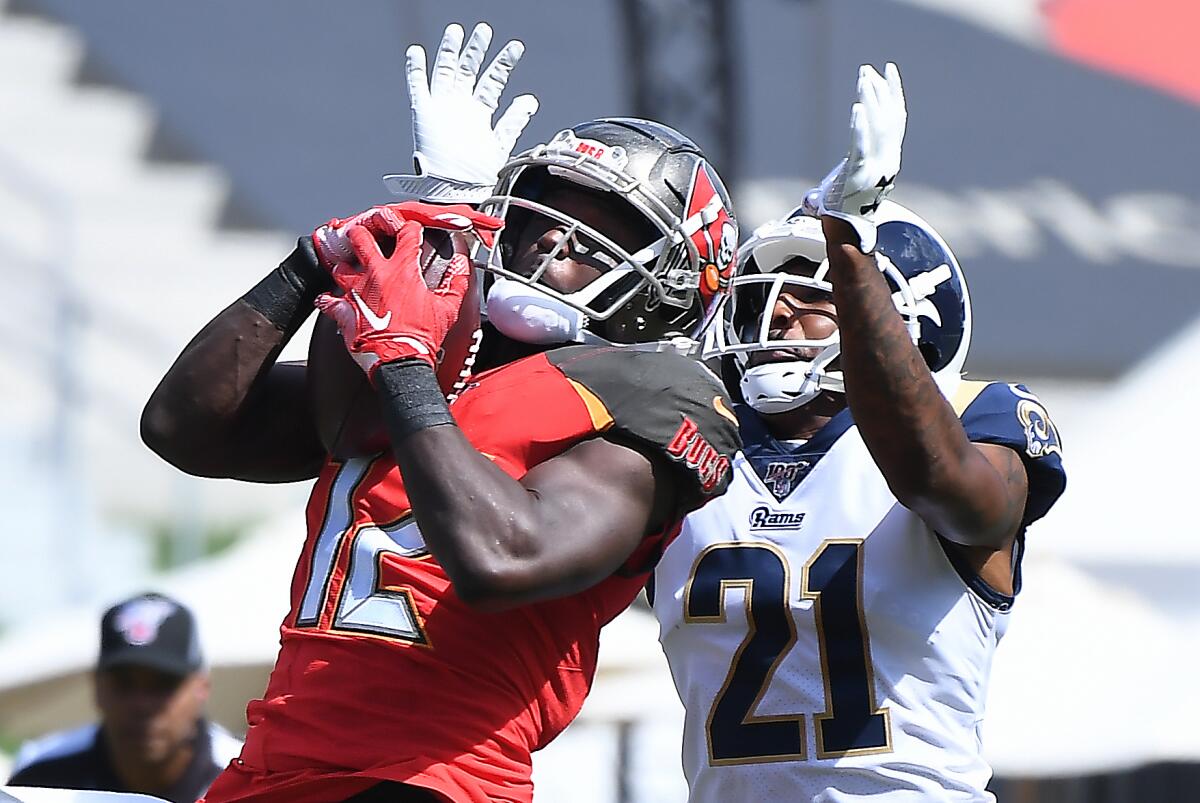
850,724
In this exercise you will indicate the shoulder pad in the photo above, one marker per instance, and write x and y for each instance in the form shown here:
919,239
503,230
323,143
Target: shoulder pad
671,404
1008,414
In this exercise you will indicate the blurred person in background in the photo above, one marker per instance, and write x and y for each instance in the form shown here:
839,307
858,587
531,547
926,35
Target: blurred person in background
875,523
150,689
447,601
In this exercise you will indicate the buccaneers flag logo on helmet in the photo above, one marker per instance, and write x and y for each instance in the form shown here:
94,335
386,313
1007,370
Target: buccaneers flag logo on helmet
716,236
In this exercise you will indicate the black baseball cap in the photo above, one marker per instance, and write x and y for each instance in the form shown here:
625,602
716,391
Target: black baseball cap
150,630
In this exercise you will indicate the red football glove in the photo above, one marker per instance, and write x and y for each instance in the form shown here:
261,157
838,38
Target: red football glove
332,242
387,312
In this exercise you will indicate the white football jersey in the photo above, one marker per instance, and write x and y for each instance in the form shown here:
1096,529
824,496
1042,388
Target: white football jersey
828,645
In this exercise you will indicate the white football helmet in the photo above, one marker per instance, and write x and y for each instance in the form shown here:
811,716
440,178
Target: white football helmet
930,292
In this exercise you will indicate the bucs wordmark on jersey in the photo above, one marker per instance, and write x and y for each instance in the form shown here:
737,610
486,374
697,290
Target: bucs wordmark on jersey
828,645
385,674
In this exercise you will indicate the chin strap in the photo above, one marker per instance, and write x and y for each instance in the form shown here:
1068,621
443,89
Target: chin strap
780,387
529,314
525,314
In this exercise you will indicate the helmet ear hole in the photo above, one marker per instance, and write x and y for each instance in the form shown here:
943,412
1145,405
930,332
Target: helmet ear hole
644,319
932,355
633,323
725,366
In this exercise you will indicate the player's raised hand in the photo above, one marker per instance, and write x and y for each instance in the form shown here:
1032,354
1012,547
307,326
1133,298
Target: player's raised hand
854,189
458,151
387,311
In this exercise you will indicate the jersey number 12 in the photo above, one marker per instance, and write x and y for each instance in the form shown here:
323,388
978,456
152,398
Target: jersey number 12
355,553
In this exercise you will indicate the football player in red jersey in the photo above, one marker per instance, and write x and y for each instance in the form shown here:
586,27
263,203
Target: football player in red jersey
446,605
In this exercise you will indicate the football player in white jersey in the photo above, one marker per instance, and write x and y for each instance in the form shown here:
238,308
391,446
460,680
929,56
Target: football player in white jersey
830,622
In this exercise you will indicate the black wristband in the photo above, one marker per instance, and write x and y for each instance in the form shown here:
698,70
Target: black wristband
411,397
285,295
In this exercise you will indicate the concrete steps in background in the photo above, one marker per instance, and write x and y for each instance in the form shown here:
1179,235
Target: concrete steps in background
135,248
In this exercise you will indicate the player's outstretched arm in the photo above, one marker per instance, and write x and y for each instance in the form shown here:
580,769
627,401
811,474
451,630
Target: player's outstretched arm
970,493
225,408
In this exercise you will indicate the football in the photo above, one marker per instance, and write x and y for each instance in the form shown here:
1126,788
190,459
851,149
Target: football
345,406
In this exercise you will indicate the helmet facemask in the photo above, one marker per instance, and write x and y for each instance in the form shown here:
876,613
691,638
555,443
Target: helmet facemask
741,325
643,293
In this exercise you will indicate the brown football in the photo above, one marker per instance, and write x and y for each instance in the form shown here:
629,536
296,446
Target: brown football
345,406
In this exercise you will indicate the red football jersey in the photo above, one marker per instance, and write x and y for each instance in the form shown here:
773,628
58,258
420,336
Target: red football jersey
385,674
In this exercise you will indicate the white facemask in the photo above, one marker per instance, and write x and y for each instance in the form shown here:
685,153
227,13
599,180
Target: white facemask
779,387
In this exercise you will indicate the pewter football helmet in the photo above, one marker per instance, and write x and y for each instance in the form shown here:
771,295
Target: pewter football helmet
660,290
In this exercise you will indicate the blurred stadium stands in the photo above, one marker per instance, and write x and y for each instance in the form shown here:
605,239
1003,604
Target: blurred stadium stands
157,158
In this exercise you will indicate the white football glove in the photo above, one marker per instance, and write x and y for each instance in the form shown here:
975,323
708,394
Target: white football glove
854,189
458,152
